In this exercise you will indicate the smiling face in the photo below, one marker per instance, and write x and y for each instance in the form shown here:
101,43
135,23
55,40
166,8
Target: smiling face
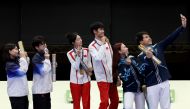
99,32
123,50
41,47
14,52
78,41
147,40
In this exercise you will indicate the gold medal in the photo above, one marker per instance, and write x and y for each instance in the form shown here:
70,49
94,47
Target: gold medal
82,71
89,72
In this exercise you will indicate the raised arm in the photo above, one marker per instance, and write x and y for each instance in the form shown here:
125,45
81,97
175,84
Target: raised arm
171,37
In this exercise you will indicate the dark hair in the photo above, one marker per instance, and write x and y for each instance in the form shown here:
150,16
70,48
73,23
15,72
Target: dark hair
116,57
37,40
5,51
71,37
139,36
95,26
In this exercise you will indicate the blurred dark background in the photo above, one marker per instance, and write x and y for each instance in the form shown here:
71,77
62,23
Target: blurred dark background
21,20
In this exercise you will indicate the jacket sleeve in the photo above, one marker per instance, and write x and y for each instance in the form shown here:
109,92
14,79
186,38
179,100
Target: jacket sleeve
122,69
171,37
23,65
74,62
97,54
41,66
89,61
47,66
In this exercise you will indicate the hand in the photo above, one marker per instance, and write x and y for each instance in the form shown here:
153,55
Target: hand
89,71
183,21
149,53
78,50
128,61
118,82
104,39
23,54
46,55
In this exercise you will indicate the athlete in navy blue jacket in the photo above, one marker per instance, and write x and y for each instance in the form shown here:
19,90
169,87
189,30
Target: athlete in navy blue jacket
131,73
157,75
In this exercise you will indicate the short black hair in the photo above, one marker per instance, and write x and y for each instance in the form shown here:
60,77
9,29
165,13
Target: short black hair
71,37
139,36
37,40
95,26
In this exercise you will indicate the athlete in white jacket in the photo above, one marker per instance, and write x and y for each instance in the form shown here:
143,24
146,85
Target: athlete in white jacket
101,52
42,81
80,72
16,69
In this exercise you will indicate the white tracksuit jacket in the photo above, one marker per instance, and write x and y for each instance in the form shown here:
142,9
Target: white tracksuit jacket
102,60
75,76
